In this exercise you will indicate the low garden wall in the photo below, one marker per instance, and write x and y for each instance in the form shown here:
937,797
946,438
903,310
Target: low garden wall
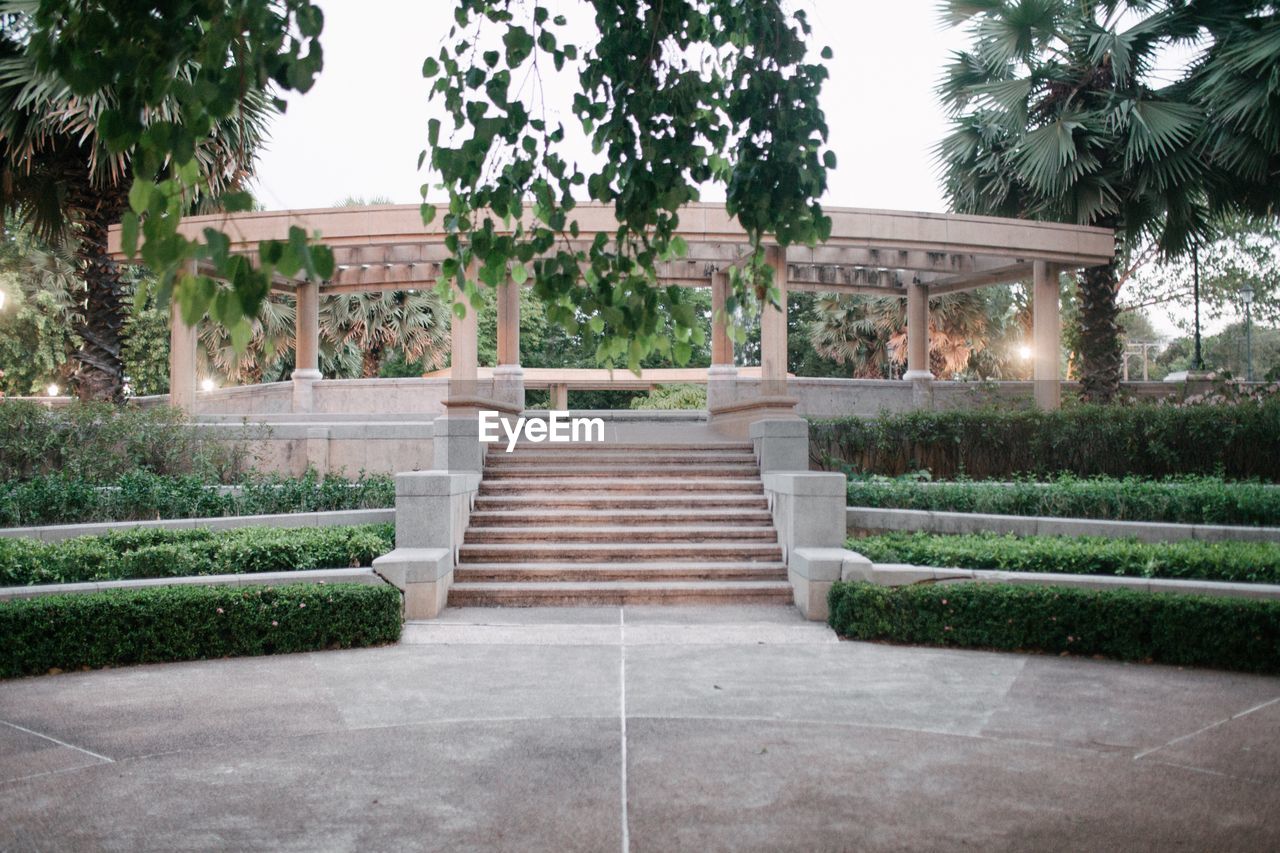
865,521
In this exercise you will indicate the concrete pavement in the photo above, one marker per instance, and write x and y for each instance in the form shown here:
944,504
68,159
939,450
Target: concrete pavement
641,728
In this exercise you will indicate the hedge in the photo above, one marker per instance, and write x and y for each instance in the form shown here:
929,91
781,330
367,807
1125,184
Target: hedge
1226,633
150,553
1190,500
141,495
1240,441
1257,562
99,442
187,623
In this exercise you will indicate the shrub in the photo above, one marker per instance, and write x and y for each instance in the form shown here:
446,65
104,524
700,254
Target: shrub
1191,500
139,495
1228,633
187,623
98,442
1257,562
179,553
1240,441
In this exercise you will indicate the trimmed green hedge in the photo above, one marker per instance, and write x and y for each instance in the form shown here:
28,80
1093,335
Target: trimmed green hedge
1193,500
150,553
1256,562
1227,633
141,495
188,623
1240,441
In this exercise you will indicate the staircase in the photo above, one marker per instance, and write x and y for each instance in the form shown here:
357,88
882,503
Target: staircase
620,524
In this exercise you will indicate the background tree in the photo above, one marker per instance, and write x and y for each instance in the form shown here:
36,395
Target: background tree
65,179
869,333
39,311
1055,116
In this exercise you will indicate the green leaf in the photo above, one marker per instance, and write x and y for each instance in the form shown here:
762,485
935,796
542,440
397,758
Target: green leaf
519,274
140,195
430,67
129,233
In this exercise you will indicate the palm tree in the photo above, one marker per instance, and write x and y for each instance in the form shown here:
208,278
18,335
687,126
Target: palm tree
870,332
413,321
272,337
1055,117
58,173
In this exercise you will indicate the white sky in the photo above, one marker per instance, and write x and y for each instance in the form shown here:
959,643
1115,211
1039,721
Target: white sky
359,130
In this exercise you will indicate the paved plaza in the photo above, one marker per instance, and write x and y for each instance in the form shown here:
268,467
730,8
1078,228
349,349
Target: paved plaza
641,728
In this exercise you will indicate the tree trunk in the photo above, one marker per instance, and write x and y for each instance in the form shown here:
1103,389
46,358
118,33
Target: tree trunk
371,361
1100,348
99,373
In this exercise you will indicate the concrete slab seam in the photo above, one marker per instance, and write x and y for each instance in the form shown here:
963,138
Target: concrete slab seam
1209,727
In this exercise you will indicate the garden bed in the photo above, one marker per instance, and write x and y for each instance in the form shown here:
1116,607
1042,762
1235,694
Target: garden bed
1189,500
1235,441
62,632
1245,562
142,495
179,553
1225,633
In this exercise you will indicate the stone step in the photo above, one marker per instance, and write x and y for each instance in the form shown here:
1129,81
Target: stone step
632,533
646,486
629,552
585,572
674,518
617,593
615,502
631,470
610,457
633,447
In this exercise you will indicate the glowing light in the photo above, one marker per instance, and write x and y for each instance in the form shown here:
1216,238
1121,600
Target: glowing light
3,296
52,389
1024,351
208,385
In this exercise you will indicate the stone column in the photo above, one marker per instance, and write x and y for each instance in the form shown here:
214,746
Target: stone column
1046,333
773,328
306,344
462,347
508,376
918,373
182,360
722,374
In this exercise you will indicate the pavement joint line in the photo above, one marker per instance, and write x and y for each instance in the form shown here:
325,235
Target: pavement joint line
1203,770
622,723
1204,729
89,752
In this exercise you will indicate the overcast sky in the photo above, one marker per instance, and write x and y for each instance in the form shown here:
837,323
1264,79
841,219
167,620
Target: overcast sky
359,130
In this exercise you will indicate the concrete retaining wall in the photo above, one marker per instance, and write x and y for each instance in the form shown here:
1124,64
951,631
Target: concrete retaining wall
870,520
363,576
901,574
59,532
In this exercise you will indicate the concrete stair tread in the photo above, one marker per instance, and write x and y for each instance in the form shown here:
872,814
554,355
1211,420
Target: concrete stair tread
632,446
635,468
591,585
519,594
639,566
600,500
692,516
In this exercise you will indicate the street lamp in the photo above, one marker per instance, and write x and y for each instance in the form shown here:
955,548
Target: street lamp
1246,296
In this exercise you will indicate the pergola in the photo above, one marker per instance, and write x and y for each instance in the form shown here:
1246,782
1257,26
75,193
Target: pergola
885,253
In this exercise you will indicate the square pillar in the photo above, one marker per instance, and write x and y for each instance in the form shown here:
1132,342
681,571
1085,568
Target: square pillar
462,344
917,332
1046,334
722,374
182,360
306,344
508,376
773,327
918,372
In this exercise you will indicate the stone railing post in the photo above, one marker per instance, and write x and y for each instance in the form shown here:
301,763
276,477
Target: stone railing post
432,509
808,510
